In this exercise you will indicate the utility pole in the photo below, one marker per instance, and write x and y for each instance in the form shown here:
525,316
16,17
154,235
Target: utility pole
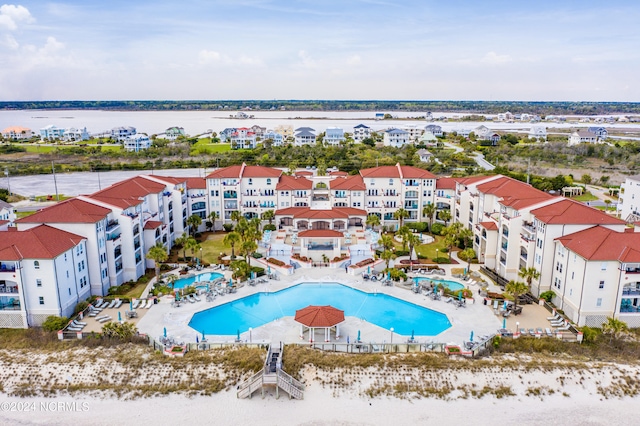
6,173
55,182
528,169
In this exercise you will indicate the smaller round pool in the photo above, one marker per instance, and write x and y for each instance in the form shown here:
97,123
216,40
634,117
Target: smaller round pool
207,276
451,285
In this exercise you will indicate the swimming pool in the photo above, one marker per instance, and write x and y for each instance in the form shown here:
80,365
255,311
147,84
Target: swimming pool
452,285
260,308
207,276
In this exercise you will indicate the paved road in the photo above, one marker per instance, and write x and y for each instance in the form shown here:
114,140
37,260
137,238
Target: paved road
478,157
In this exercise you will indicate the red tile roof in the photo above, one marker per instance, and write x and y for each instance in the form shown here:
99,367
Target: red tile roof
72,210
307,213
226,172
397,171
416,173
603,244
128,192
446,183
513,193
489,226
303,173
319,316
320,233
41,242
152,224
572,212
167,179
338,173
196,183
244,171
349,183
289,183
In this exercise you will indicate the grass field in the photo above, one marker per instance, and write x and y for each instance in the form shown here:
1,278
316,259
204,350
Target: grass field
204,146
429,250
587,196
212,247
38,149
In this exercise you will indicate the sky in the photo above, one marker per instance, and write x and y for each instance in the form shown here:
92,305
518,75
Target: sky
320,49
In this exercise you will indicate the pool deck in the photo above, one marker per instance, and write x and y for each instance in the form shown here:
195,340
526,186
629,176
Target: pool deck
475,317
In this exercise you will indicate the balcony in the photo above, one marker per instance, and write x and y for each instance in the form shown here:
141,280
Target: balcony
504,245
112,224
118,267
136,245
138,258
197,196
230,195
113,236
631,291
630,268
628,306
7,267
9,303
11,289
117,253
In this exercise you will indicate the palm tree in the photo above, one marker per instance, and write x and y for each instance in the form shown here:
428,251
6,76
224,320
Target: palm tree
181,241
231,239
529,274
373,220
403,232
465,235
412,241
429,210
468,255
400,215
268,215
445,216
158,254
208,224
171,280
235,216
387,255
515,289
256,224
451,236
214,216
194,221
193,245
615,328
386,241
247,248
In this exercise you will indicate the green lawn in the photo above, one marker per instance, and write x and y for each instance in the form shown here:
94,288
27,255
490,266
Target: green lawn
429,250
38,149
212,247
110,148
204,146
587,196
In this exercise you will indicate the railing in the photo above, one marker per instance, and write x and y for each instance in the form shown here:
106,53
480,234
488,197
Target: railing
113,236
631,291
249,386
112,224
7,267
294,388
11,289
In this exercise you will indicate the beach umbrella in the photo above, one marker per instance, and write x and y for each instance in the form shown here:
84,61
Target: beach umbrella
208,287
505,305
388,275
471,337
347,340
368,269
268,269
412,335
253,274
165,332
460,295
203,338
131,305
230,282
197,341
358,335
238,335
504,323
119,316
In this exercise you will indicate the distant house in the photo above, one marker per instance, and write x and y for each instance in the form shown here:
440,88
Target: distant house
434,129
304,136
505,116
463,132
285,130
276,138
396,138
582,136
538,132
483,133
225,135
7,214
333,136
136,142
258,131
17,133
51,132
428,139
121,133
172,133
379,116
243,138
600,132
414,132
425,156
73,135
361,132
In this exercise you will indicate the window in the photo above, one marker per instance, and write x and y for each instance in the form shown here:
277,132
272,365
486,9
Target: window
601,285
38,283
268,181
250,181
41,300
599,302
390,182
572,275
69,291
36,264
603,266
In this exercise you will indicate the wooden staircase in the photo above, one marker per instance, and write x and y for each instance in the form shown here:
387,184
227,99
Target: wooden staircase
272,375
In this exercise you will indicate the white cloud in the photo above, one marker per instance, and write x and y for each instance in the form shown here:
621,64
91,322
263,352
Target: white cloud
52,45
208,56
492,58
305,60
9,41
354,60
11,14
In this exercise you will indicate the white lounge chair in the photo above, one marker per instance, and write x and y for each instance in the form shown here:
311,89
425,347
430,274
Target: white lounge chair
105,319
118,303
557,323
112,304
195,296
557,316
71,328
149,304
565,328
78,323
135,303
548,332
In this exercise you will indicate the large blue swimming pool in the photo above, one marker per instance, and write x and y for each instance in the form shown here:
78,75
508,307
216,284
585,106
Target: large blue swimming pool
261,308
207,276
452,285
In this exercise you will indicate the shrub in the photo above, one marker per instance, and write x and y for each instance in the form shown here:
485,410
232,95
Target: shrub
275,261
256,255
81,306
198,235
444,250
117,330
402,252
364,262
437,228
397,274
55,323
547,295
258,271
418,226
270,227
228,227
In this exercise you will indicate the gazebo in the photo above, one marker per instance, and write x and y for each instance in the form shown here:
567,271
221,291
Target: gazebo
324,317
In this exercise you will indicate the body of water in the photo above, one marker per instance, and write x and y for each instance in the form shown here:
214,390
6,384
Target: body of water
207,276
261,308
